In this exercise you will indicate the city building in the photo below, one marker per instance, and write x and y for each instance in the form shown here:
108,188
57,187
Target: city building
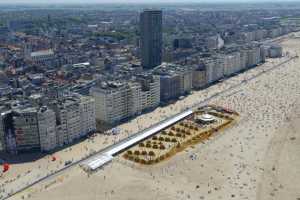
75,116
184,43
169,89
274,51
42,57
151,38
47,129
117,101
214,68
27,127
199,77
232,63
214,42
175,80
87,115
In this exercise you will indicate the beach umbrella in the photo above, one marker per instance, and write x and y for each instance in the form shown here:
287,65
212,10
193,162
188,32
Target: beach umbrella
5,167
53,158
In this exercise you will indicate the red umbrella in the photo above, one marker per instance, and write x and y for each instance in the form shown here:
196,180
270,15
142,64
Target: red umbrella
5,167
53,158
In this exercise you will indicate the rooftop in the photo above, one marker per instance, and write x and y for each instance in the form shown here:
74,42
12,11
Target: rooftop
42,53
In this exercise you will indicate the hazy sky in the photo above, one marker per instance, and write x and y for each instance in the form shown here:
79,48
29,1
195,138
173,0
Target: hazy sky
137,1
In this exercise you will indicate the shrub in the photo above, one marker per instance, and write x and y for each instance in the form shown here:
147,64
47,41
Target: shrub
141,145
130,158
174,140
171,133
142,161
162,157
151,153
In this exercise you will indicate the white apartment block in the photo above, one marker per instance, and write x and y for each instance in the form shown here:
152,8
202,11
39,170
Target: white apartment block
47,129
199,78
232,63
76,118
87,115
253,57
186,81
69,122
118,101
214,69
111,104
40,57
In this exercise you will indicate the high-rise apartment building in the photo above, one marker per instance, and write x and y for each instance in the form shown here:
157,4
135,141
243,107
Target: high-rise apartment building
28,127
117,101
151,38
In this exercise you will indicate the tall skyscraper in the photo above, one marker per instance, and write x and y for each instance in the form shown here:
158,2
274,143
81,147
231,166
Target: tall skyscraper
151,38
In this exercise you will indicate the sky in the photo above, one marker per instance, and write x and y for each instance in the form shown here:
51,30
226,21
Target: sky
138,1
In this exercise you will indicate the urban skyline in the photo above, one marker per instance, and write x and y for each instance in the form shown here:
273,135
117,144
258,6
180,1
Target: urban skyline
150,101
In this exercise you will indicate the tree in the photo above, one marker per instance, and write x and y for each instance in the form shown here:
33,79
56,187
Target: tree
143,161
171,133
178,135
151,153
142,145
162,157
174,140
